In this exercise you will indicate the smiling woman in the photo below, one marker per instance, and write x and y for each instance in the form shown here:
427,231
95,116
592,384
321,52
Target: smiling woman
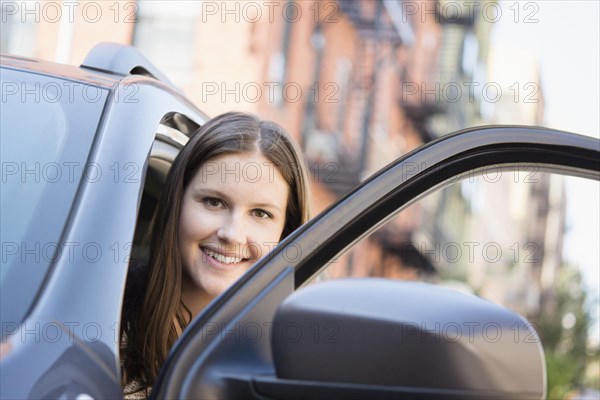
236,189
229,220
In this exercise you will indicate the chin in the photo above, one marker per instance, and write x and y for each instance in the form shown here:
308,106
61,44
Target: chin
216,289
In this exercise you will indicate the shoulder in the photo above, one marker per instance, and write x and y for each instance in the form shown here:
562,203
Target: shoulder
134,391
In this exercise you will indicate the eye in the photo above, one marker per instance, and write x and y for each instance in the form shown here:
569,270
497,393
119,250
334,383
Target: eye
262,214
212,202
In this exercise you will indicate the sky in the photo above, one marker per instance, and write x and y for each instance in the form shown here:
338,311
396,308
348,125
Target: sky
564,37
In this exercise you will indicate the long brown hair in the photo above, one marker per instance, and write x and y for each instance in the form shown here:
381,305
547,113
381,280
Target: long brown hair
154,315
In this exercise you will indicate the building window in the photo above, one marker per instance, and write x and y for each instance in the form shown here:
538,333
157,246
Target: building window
278,61
165,35
18,30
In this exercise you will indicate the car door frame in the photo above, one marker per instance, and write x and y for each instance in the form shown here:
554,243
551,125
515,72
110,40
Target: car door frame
213,358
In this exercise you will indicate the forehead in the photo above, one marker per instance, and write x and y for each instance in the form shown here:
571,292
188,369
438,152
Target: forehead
247,173
239,167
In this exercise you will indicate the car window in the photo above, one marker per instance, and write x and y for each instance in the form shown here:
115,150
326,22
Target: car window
521,238
47,129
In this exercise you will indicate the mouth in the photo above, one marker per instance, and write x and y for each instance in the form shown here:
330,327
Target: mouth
222,258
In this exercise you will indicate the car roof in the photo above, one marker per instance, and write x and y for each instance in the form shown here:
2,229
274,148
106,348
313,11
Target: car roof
68,72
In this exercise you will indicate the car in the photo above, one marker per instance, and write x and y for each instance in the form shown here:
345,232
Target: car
85,152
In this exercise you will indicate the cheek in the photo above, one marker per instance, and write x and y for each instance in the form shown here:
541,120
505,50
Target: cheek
186,241
265,239
195,223
186,227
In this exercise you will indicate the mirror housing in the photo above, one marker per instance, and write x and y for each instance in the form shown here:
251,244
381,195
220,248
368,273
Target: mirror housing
388,338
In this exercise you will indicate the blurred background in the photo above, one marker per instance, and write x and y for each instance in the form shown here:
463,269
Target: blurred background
359,83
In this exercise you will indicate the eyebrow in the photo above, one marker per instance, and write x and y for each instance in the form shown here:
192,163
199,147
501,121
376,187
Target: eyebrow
218,193
266,205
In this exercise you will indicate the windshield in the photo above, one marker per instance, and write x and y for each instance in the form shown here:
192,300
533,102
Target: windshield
46,130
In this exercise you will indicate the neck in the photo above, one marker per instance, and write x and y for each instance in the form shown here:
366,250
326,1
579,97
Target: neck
194,299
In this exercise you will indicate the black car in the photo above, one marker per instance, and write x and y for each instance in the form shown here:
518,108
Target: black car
85,152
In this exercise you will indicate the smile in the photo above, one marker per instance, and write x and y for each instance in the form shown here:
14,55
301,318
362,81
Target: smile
222,258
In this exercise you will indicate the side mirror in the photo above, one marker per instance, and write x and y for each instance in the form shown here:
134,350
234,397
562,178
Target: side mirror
377,338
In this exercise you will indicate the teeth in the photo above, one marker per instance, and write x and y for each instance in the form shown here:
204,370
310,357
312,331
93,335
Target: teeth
222,258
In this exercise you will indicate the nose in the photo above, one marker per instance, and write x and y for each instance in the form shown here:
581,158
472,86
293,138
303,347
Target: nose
233,230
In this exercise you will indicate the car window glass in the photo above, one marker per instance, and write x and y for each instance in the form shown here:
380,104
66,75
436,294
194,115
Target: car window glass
525,239
47,126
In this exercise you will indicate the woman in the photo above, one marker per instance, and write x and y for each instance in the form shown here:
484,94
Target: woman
236,189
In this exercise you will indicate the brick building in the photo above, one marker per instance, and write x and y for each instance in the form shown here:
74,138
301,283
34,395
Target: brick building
358,83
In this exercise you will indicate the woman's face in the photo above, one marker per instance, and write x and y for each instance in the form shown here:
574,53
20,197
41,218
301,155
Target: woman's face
233,213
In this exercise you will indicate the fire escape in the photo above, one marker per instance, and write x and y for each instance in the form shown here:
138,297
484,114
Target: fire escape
371,21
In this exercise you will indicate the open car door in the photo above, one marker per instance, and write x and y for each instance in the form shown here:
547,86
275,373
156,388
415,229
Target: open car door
272,336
